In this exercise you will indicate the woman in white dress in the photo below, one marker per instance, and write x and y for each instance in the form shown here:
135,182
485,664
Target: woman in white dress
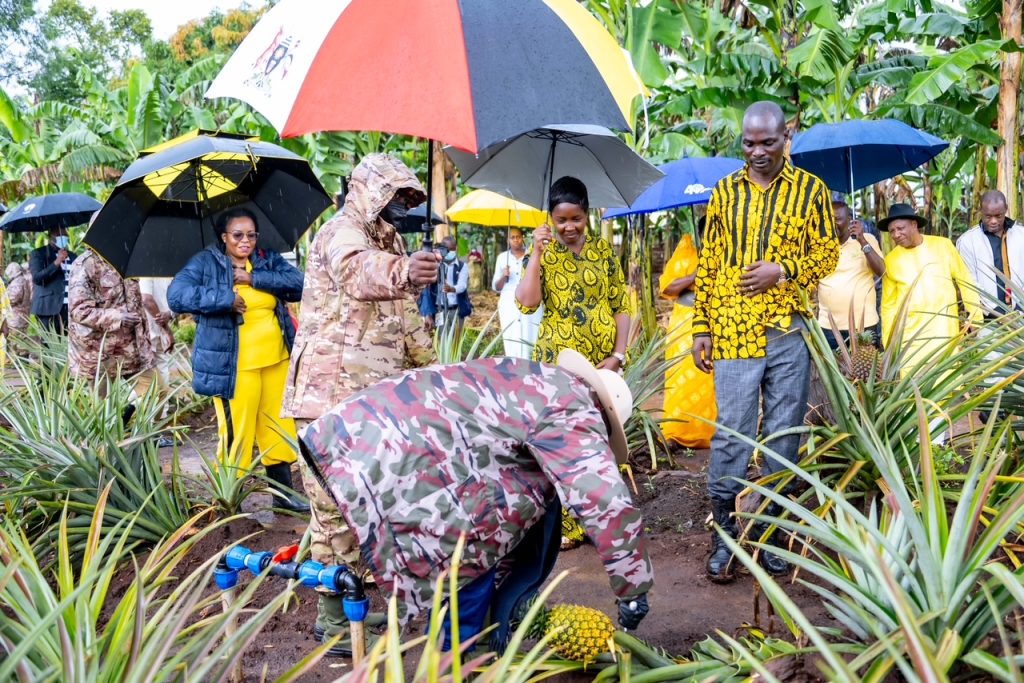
519,330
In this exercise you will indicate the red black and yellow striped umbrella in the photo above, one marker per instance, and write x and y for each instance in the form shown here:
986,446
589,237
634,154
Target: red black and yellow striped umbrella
467,72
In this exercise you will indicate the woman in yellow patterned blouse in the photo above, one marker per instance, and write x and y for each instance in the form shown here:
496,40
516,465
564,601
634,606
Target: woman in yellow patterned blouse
580,283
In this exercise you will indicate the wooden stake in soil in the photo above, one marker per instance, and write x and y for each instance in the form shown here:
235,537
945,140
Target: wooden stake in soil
227,600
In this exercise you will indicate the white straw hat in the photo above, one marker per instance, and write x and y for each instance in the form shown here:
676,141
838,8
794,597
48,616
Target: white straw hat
612,392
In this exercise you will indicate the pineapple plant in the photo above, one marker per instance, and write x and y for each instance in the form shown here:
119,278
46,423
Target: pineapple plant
579,633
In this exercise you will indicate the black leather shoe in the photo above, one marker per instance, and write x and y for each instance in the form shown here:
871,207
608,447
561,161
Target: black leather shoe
280,476
769,561
720,567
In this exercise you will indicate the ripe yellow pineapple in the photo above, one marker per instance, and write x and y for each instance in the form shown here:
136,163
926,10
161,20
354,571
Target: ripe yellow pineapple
584,633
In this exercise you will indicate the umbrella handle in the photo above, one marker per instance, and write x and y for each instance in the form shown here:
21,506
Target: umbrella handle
428,228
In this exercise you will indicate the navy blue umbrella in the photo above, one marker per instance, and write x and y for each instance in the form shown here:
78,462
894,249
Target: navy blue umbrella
687,182
61,210
854,154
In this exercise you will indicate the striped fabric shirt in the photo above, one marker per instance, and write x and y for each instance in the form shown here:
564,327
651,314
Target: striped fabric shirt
790,223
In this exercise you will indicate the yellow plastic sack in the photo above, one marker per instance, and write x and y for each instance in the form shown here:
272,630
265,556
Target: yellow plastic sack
689,393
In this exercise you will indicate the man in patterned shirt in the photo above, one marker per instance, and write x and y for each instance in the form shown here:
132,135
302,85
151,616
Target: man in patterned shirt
770,234
485,449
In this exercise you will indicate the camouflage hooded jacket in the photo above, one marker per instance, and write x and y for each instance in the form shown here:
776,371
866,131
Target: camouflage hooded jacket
98,299
353,329
477,448
19,293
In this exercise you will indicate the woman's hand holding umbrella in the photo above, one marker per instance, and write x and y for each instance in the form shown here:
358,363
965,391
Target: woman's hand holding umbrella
541,238
242,276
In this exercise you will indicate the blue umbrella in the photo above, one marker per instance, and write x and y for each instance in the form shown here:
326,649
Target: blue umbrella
854,154
61,210
687,181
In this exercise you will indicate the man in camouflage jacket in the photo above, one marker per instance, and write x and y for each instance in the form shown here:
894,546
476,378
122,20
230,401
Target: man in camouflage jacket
354,329
485,448
107,324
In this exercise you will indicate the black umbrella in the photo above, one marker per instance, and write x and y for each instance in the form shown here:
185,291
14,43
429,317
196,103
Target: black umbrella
61,210
162,211
416,218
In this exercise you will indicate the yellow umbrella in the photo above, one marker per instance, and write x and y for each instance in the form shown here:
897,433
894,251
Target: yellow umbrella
483,207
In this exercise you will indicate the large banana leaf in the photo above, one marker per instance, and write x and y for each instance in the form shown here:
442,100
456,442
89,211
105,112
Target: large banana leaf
949,69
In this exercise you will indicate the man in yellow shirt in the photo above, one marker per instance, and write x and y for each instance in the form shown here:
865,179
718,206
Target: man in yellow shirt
770,234
927,273
852,285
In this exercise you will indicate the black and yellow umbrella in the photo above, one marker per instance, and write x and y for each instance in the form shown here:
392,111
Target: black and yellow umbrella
162,211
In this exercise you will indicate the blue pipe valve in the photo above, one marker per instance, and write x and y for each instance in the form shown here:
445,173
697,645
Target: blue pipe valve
311,574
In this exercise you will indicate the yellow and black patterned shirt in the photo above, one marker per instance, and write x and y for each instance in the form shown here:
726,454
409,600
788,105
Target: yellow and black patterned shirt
581,296
790,223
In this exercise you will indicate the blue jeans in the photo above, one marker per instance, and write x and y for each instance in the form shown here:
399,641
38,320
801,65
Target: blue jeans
781,377
529,565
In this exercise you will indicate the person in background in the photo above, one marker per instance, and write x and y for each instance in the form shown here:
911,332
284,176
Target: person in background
519,330
689,409
578,280
19,295
926,272
237,292
994,248
851,287
770,234
353,332
456,305
548,433
159,315
108,336
50,265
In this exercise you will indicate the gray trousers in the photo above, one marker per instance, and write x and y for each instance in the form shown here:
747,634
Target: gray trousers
782,376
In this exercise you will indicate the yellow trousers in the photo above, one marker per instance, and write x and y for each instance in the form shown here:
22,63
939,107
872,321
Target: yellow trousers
253,416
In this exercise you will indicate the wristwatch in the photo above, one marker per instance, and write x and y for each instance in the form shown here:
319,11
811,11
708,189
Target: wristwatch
621,357
867,249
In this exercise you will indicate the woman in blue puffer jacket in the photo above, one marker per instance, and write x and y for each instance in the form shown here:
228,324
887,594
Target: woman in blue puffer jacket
243,342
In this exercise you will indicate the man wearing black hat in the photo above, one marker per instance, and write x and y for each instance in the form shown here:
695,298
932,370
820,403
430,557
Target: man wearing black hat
928,273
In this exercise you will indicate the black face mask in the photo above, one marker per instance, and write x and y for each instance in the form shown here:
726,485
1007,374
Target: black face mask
395,212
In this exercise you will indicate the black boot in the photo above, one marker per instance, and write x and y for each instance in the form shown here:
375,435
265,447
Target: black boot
280,476
770,562
720,564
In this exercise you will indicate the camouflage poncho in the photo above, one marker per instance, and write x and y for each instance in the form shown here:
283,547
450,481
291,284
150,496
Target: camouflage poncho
477,448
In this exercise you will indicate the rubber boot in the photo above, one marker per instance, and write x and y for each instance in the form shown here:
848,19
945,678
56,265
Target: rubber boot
331,620
280,476
770,562
720,563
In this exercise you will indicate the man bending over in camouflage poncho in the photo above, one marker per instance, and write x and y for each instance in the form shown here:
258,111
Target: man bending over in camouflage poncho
487,448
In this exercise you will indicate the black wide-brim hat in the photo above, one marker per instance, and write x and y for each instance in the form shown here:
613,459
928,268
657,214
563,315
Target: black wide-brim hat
897,211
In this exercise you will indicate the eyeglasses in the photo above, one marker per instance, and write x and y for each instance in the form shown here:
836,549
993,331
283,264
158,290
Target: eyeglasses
240,236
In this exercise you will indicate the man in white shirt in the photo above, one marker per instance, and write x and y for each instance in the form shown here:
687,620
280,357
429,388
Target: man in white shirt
994,253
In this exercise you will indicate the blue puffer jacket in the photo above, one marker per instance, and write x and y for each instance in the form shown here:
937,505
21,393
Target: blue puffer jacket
205,288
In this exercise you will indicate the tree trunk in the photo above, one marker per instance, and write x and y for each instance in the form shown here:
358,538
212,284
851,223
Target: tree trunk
442,177
1008,155
980,183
